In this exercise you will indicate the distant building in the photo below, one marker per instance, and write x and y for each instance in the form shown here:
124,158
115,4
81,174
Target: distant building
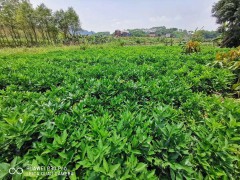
152,34
168,35
120,33
125,33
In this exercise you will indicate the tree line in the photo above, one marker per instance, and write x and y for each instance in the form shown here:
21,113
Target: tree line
174,32
23,25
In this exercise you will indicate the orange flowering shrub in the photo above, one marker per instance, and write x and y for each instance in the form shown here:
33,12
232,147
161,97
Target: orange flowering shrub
231,60
192,47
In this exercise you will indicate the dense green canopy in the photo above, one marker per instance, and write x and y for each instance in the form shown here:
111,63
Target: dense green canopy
22,24
227,13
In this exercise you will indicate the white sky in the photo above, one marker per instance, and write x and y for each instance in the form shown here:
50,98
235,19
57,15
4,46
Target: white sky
108,15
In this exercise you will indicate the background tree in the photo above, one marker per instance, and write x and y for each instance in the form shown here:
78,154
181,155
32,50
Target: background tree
8,20
43,17
72,20
137,33
26,20
227,13
67,22
198,36
22,24
61,22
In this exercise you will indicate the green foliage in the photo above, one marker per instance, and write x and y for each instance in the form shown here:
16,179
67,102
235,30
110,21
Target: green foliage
210,34
138,41
140,112
198,36
137,33
84,46
227,13
102,34
121,42
203,35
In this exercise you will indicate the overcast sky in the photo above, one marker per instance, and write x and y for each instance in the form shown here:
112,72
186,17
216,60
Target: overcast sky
108,15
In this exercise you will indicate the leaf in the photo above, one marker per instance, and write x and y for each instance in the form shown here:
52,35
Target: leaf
34,164
56,162
41,160
151,175
113,169
200,176
46,152
232,122
90,155
105,165
140,167
179,176
99,169
77,157
14,162
4,168
136,152
64,137
73,176
181,167
57,141
235,139
100,144
63,155
172,173
236,87
85,163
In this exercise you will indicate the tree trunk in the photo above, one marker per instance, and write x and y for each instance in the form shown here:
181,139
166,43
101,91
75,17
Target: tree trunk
13,36
5,34
1,40
43,35
226,41
31,38
2,36
35,33
26,36
48,36
19,37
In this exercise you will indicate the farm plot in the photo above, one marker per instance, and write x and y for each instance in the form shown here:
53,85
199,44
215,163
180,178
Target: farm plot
118,113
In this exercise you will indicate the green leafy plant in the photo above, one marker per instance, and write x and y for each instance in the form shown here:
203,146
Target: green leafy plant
112,112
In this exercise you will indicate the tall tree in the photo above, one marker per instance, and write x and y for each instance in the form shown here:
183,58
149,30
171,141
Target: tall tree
61,21
227,13
20,23
28,16
67,22
43,17
8,19
73,21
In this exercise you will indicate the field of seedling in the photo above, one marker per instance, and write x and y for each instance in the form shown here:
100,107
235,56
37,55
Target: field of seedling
118,112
